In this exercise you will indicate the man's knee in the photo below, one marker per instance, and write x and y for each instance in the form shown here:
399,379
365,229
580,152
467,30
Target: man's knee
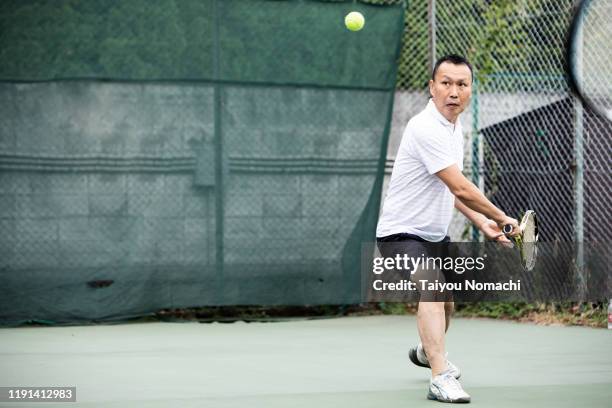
427,306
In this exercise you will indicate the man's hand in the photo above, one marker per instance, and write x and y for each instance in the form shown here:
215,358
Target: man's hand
492,231
505,220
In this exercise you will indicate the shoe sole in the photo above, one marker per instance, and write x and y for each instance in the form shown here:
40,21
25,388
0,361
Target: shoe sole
412,354
432,396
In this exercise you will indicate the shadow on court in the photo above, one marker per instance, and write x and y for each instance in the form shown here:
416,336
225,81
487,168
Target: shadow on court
343,362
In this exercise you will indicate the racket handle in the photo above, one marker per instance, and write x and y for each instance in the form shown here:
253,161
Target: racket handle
507,229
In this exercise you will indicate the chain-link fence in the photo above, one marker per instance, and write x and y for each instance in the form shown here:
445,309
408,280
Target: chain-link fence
528,143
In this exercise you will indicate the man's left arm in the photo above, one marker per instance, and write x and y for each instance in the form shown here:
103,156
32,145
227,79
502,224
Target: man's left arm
488,227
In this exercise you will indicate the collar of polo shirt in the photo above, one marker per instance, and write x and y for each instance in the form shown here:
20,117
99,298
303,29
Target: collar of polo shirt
431,107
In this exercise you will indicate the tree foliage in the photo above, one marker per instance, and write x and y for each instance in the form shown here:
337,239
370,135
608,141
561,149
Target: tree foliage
523,40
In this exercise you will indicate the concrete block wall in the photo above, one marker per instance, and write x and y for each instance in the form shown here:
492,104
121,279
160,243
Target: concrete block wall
102,175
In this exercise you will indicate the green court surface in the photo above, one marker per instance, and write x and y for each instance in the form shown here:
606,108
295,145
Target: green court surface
342,362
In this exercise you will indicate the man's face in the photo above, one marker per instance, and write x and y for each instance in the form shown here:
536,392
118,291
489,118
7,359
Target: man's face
451,89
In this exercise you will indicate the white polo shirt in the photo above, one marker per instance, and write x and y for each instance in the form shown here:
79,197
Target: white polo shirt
417,201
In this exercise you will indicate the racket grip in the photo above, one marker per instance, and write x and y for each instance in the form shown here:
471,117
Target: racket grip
507,229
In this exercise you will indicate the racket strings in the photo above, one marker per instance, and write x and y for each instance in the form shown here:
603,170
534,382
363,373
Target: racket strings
529,231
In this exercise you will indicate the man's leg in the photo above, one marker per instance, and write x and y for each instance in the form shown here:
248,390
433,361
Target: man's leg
433,318
432,324
449,307
418,354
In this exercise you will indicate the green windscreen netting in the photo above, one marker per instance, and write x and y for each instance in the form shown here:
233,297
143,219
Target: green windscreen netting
162,154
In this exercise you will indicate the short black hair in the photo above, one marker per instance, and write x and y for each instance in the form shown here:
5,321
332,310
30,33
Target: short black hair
453,59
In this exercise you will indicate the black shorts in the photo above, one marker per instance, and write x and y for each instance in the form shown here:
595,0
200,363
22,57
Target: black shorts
416,247
413,245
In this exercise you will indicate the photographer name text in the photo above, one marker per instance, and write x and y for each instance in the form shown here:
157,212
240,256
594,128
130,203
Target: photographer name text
437,286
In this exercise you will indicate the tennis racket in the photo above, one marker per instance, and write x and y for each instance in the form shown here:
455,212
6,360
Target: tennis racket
589,55
527,240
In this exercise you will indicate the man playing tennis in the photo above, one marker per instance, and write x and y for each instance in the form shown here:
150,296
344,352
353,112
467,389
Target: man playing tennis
426,183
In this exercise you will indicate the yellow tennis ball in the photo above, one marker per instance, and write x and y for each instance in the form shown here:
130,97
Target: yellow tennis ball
354,21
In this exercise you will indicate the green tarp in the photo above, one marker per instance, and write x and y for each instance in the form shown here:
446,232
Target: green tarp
158,154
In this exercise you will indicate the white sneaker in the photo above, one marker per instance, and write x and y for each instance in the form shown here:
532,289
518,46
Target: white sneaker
445,388
418,357
453,369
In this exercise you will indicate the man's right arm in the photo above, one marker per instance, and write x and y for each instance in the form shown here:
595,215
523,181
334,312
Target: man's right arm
472,197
